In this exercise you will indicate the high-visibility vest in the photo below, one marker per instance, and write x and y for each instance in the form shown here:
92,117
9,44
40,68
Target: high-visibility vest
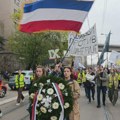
19,81
113,80
81,77
119,76
84,77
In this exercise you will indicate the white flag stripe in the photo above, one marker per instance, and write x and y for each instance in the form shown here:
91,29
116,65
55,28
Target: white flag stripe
58,14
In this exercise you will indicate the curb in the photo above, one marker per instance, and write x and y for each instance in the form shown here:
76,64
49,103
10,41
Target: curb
11,99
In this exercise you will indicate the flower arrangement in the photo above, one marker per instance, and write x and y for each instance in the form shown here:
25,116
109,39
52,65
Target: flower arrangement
50,99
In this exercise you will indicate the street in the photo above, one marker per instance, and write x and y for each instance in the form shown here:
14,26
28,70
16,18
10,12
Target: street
88,111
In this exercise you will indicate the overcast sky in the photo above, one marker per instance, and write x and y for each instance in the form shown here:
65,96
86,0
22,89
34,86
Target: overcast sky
110,21
106,15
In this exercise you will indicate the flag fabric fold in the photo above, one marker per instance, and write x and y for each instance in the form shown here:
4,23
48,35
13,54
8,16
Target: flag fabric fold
105,49
66,15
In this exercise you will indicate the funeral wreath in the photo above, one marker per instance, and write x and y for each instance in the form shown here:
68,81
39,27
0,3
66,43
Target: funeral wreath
50,99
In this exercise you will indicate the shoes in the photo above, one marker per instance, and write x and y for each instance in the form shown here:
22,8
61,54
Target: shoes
17,104
98,106
93,98
23,100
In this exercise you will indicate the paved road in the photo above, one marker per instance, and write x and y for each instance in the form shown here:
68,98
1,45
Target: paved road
13,112
90,112
10,96
87,111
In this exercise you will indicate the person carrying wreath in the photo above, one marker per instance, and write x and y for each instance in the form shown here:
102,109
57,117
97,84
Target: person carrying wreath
75,114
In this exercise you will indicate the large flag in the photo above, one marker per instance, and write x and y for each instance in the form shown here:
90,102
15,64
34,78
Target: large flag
42,15
105,49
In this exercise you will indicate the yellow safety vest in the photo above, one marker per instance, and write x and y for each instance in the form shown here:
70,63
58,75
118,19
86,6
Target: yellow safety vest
81,77
113,80
19,81
84,77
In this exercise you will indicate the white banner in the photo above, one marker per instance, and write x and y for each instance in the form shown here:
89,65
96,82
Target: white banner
53,54
114,58
83,45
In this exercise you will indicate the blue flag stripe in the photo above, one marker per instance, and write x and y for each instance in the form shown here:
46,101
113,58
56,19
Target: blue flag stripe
59,4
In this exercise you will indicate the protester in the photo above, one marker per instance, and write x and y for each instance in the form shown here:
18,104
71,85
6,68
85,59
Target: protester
75,114
113,86
57,71
90,84
39,72
101,81
19,82
81,76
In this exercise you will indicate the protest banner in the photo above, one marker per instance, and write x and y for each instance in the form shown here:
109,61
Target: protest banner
84,44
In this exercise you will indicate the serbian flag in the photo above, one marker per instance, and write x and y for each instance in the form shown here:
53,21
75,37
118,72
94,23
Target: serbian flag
65,15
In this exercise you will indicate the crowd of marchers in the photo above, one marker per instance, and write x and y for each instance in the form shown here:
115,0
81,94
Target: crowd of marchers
104,80
99,79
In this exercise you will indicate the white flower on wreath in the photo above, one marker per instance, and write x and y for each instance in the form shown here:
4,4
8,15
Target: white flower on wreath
49,110
46,101
66,94
43,109
66,105
32,95
53,118
35,84
39,97
50,91
55,105
61,86
43,90
41,84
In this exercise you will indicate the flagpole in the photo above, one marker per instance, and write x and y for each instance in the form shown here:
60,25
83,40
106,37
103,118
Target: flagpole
67,50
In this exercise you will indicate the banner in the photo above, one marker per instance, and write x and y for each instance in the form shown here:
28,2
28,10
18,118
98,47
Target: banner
83,45
114,58
54,53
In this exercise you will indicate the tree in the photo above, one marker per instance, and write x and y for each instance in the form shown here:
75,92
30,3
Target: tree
32,49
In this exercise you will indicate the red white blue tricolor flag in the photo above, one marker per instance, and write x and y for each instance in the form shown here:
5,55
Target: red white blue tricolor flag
65,15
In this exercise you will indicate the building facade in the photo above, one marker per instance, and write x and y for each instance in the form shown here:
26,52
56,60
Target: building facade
7,9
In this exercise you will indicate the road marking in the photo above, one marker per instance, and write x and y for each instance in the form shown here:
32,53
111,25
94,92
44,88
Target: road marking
11,99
